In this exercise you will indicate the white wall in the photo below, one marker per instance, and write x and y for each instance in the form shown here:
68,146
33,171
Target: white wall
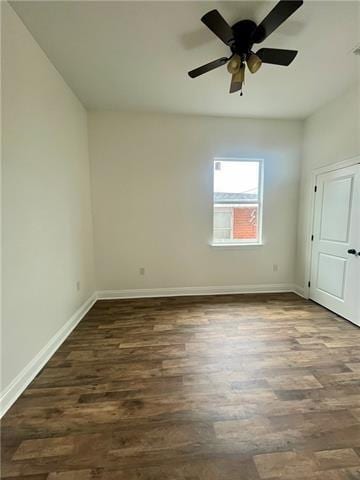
47,226
331,134
152,198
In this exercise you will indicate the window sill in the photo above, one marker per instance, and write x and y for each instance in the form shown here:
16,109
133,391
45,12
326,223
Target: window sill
236,245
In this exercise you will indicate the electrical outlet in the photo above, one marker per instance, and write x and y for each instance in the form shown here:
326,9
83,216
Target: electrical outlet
78,285
142,271
275,267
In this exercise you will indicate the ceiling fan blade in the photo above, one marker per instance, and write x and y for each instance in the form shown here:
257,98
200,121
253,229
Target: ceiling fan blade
208,67
234,86
283,10
237,80
216,23
276,56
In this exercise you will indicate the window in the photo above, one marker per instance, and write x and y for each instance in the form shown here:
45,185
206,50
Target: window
237,201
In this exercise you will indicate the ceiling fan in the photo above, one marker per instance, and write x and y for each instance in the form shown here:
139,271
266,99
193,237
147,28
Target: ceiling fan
241,37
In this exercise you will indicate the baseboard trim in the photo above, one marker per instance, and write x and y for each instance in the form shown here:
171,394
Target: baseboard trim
10,394
299,291
187,291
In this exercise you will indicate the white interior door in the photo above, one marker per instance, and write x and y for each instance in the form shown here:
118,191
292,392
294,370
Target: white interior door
335,258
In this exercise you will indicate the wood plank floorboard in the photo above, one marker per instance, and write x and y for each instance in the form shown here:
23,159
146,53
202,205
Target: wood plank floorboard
232,387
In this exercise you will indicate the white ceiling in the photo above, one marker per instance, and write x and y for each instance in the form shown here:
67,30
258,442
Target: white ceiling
135,55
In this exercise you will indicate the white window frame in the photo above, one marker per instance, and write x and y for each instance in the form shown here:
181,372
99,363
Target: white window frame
245,242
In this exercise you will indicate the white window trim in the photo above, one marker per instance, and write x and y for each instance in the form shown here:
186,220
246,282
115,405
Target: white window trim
242,243
236,245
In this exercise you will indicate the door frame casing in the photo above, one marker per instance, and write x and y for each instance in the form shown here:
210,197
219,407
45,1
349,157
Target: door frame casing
310,227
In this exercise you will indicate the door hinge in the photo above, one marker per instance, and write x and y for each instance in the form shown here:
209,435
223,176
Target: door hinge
312,238
315,188
309,283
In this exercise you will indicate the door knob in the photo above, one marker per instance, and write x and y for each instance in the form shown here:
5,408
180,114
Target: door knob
352,251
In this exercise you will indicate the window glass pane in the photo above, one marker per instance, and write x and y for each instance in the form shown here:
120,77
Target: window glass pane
236,181
245,222
222,234
222,218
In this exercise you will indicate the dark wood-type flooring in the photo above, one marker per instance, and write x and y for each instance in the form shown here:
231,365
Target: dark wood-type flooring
237,387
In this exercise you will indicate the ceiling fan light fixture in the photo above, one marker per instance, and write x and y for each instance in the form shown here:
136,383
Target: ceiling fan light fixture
234,64
253,63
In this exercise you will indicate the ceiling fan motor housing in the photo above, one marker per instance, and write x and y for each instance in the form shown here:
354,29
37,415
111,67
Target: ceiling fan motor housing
243,38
